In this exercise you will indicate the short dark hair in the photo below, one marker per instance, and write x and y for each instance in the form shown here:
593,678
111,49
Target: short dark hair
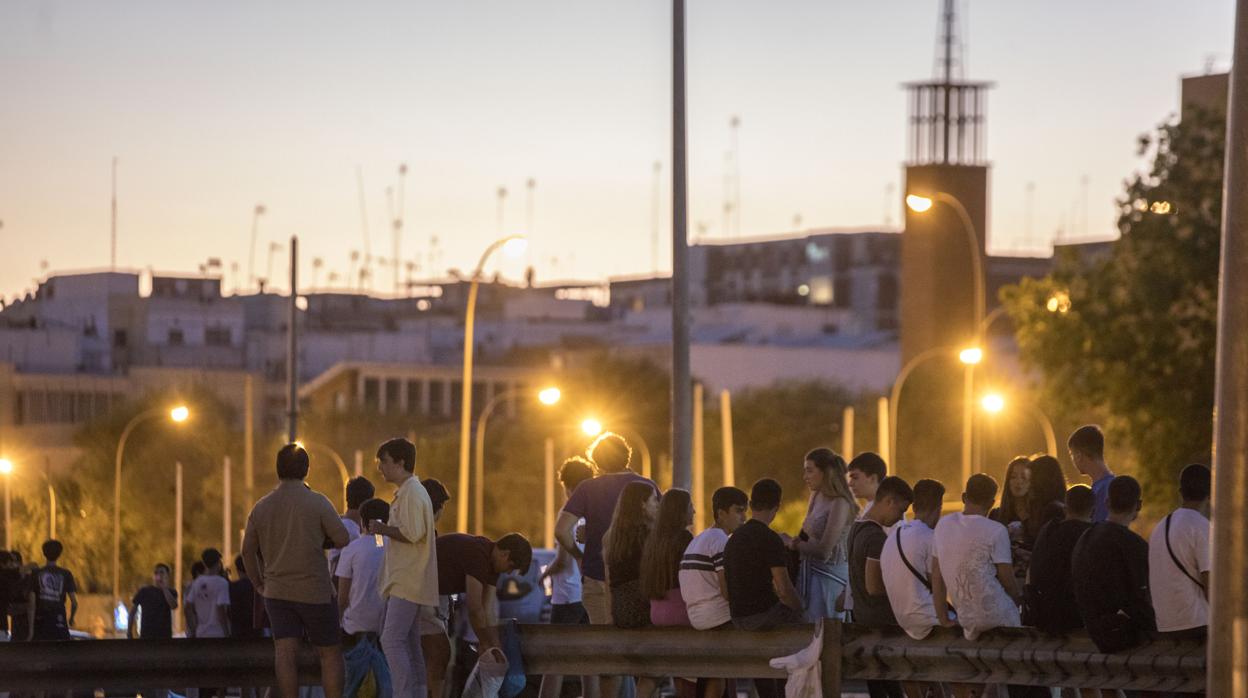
765,495
1080,500
869,464
726,498
211,557
438,494
981,489
928,494
238,564
519,548
292,462
197,569
52,550
1088,440
893,486
610,452
400,450
359,490
375,510
165,567
1124,494
574,471
1195,483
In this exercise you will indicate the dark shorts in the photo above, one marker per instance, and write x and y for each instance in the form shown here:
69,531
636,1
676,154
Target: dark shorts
318,622
568,614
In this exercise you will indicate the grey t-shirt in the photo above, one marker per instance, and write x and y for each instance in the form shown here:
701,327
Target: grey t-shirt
866,541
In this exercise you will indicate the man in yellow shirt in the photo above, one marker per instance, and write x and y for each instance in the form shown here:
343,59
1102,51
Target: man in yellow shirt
409,577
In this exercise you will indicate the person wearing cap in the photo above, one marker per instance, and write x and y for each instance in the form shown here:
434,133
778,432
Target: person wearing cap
470,565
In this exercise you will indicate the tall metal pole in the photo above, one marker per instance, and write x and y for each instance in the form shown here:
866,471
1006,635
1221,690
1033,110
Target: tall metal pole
249,441
465,409
699,461
882,428
177,534
725,419
227,533
292,347
359,462
548,526
682,384
1228,628
8,518
847,432
968,421
112,259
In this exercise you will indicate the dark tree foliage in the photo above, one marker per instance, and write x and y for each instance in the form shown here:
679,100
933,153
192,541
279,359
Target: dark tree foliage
1137,344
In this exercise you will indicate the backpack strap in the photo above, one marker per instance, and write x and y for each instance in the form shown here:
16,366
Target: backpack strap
1176,557
922,579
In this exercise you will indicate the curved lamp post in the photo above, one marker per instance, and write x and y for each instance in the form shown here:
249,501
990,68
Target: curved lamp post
177,415
994,403
6,469
338,461
512,246
593,428
548,396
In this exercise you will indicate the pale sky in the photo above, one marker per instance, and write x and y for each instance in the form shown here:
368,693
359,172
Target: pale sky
214,107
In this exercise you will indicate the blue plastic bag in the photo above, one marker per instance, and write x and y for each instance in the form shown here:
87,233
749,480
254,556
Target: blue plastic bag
515,679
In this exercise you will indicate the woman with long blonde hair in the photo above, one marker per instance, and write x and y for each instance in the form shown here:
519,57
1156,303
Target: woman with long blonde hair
824,540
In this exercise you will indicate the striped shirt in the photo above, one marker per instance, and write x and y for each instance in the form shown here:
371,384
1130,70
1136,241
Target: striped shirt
699,579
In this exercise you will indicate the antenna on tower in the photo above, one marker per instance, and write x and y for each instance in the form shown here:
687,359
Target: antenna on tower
368,254
113,221
655,198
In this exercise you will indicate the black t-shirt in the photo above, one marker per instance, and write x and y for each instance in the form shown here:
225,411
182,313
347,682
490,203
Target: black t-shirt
242,610
749,556
1051,604
157,619
51,585
461,556
1109,568
866,540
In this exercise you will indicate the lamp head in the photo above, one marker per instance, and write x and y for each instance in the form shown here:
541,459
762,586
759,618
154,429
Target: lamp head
918,204
515,247
180,414
971,355
591,427
549,396
6,466
993,403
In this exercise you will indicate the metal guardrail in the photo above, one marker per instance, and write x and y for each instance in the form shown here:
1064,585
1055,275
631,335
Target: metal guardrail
1006,655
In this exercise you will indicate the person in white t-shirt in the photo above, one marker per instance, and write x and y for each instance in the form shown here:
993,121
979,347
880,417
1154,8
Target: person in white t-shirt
971,565
905,562
1178,558
209,599
360,606
703,585
566,607
358,491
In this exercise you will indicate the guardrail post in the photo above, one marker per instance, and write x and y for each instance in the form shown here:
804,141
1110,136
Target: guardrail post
830,658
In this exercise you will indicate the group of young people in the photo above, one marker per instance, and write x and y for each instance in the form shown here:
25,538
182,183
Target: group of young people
1053,557
32,597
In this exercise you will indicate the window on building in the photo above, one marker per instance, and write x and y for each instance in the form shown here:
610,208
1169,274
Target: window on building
393,386
120,339
457,392
842,288
437,390
176,339
217,337
372,393
415,390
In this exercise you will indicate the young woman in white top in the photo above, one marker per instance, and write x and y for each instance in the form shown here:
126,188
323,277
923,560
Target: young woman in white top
823,542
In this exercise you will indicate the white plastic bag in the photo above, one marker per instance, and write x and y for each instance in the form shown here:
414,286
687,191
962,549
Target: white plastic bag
487,676
805,672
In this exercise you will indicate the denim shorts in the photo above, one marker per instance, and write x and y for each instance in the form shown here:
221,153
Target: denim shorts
316,621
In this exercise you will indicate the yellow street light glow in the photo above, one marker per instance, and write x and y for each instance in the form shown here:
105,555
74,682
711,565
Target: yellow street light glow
591,427
549,396
918,204
180,413
515,247
803,290
6,466
993,403
971,355
1162,207
1059,302
300,445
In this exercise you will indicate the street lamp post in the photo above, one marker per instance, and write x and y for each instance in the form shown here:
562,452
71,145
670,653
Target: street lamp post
548,396
592,428
334,456
513,246
6,469
178,415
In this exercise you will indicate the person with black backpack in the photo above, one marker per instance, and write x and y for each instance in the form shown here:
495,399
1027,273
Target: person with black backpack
1178,558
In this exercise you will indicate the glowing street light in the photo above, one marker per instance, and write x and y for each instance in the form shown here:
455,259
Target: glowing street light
993,403
591,427
6,466
180,414
918,204
1059,302
971,356
549,396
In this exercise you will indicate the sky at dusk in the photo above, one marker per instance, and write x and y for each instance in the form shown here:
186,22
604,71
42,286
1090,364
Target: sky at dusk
212,108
